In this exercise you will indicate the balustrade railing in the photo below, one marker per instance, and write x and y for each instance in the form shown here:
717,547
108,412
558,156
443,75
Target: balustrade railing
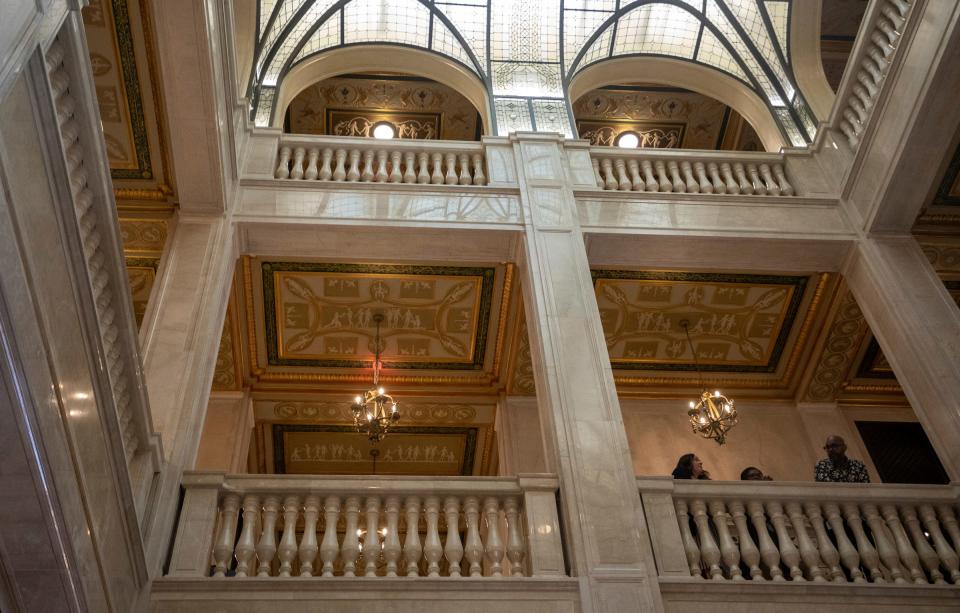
692,172
367,160
841,533
292,526
870,64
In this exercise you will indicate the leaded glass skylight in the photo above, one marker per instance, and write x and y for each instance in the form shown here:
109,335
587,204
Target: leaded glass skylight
526,52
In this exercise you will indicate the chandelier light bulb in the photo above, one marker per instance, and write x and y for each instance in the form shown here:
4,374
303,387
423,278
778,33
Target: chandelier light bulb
716,394
357,400
381,391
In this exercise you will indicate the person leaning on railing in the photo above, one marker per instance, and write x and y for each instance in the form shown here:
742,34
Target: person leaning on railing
752,473
689,466
837,467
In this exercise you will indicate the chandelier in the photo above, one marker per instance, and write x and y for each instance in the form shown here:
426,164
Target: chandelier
714,414
375,412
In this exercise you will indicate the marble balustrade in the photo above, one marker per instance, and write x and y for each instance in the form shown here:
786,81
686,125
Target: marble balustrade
365,160
824,532
320,526
880,34
691,172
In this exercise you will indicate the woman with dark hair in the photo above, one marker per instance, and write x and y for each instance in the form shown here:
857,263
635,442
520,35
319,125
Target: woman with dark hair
689,466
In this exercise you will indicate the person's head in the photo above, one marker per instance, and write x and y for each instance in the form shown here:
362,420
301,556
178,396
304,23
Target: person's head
751,473
689,466
836,448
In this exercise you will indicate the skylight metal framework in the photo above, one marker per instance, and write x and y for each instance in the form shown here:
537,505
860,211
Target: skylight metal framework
526,52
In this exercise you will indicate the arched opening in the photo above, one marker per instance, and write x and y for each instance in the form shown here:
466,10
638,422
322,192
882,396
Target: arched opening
441,87
694,78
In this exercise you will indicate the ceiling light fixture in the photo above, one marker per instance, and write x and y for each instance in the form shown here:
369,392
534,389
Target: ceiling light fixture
383,130
375,412
714,415
628,140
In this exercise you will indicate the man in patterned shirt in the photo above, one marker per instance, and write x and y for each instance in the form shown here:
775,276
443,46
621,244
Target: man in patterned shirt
837,466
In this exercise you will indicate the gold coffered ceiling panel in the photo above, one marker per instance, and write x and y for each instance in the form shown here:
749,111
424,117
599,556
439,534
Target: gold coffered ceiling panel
313,323
126,78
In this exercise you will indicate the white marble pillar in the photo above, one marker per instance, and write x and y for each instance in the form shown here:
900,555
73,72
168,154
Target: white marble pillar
180,351
579,411
518,430
917,324
227,429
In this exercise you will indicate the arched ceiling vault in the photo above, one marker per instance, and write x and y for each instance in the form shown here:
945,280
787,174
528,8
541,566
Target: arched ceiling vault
526,53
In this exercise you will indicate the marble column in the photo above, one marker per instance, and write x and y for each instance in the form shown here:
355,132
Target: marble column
917,324
227,429
518,429
584,437
180,351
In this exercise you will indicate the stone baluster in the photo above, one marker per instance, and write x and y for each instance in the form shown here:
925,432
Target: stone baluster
769,554
381,175
596,171
948,556
623,181
609,180
636,181
464,162
709,552
246,546
788,551
858,108
868,554
396,172
296,169
650,183
339,169
391,540
423,168
450,161
326,170
353,172
308,542
700,172
479,178
928,557
409,167
453,549
886,549
772,187
267,547
905,549
853,122
411,542
847,552
473,548
808,551
828,553
312,156
872,70
287,550
350,550
690,548
713,171
432,549
664,183
690,183
887,30
676,180
748,550
732,187
223,549
746,188
759,188
436,173
367,174
729,553
847,128
949,521
329,548
785,188
863,96
371,540
494,549
515,548
283,164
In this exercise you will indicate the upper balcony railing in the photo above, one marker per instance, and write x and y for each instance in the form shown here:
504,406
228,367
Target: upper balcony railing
840,533
299,526
881,31
366,160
